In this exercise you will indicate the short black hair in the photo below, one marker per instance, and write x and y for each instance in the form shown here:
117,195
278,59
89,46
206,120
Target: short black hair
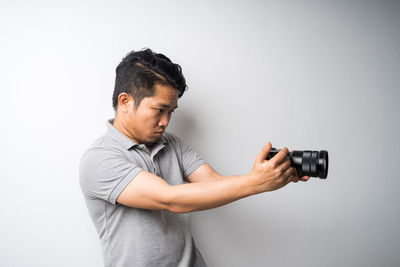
139,71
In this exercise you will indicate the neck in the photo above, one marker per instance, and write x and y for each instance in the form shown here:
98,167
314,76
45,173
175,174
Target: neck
119,125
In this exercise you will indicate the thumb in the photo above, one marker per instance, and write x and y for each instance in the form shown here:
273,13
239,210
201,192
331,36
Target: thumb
264,152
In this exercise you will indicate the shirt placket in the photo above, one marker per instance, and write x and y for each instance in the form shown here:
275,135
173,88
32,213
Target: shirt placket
152,159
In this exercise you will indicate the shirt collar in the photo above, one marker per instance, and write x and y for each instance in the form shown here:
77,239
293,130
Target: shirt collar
125,141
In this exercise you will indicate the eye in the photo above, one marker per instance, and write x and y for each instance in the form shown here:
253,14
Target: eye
171,111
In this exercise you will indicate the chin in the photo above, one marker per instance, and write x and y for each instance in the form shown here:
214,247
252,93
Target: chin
151,140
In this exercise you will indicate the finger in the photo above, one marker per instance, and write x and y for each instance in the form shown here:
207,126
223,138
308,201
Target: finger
295,173
294,179
285,165
288,174
281,156
305,178
264,152
295,176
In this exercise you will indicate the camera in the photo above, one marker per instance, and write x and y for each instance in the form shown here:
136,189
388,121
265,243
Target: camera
307,163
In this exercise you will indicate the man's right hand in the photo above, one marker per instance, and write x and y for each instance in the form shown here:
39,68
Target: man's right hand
269,175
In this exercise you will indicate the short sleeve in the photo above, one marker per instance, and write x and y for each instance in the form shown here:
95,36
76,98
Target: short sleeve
191,160
105,172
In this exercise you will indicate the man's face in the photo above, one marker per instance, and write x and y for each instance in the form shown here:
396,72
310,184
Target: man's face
146,123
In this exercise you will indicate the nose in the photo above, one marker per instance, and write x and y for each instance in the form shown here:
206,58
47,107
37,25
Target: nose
164,121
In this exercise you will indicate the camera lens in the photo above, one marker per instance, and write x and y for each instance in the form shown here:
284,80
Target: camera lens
322,163
307,163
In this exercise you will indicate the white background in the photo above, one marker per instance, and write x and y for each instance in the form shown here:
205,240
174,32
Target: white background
302,74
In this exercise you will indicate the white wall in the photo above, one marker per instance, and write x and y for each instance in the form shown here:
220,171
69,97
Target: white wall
302,74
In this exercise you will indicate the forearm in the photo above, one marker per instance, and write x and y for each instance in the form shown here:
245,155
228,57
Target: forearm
208,195
207,188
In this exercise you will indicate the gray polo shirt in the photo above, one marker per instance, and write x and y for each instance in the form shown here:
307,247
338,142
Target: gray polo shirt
132,236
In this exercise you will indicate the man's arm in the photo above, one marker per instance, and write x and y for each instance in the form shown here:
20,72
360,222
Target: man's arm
208,188
205,173
149,191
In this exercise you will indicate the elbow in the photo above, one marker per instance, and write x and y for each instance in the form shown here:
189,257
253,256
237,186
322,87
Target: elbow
173,203
178,209
175,207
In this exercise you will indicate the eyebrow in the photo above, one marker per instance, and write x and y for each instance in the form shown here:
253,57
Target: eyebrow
166,106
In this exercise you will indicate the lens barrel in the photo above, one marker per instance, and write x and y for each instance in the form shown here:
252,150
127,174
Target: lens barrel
307,163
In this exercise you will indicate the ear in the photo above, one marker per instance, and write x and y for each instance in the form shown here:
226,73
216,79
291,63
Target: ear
125,102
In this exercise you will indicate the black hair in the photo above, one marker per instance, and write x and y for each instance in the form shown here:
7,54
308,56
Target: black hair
140,71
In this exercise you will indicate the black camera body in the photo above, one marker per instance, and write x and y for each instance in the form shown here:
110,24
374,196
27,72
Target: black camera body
307,163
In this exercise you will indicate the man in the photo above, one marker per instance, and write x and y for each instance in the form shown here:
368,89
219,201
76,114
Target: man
140,182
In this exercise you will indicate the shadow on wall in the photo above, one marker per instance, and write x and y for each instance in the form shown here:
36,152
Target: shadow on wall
185,126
